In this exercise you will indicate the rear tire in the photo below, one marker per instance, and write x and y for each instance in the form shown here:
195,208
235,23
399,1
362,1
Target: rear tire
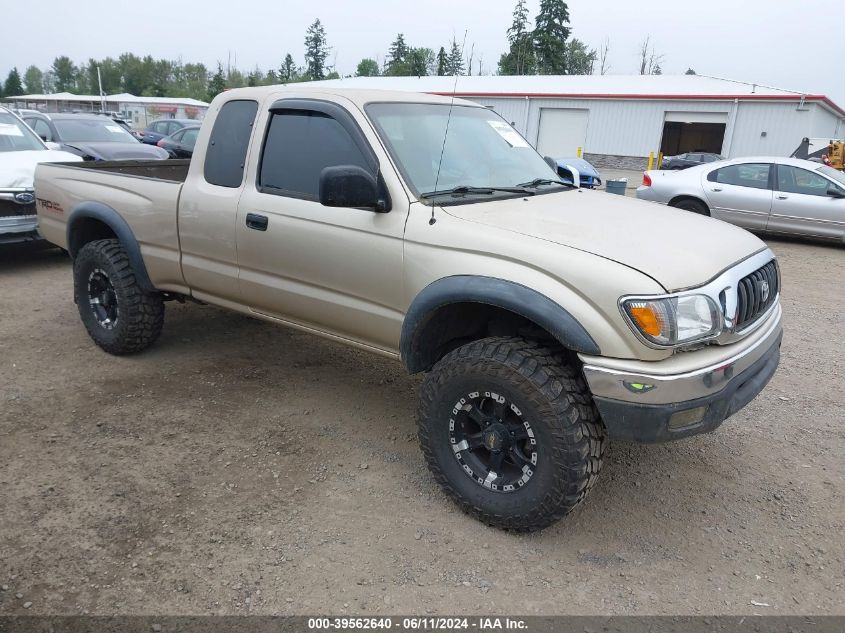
694,206
120,316
510,432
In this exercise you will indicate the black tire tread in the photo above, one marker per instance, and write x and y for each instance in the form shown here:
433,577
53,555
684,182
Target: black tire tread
142,311
555,384
693,206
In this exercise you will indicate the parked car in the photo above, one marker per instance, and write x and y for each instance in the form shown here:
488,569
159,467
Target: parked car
20,151
771,194
181,144
161,128
589,175
91,136
547,317
683,161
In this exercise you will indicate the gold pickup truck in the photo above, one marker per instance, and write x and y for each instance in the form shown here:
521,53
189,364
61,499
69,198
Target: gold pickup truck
546,318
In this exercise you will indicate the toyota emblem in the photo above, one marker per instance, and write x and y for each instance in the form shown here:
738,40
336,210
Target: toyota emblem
764,290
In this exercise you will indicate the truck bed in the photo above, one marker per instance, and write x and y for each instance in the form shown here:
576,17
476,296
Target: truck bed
144,193
170,170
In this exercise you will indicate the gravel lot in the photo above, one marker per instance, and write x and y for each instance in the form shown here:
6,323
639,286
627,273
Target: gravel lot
241,468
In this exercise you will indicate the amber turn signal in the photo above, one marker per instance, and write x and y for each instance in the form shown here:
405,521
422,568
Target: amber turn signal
646,319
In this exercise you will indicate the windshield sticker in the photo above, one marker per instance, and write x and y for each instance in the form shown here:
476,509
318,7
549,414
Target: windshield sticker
115,129
10,129
508,133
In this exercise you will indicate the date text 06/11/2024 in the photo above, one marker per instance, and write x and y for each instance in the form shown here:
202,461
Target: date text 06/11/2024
417,624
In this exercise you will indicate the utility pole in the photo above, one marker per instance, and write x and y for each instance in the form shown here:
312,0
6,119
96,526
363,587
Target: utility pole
102,94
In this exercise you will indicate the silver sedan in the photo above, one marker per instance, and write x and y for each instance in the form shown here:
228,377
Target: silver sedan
771,194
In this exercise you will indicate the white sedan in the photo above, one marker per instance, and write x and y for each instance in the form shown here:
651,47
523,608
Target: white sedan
771,194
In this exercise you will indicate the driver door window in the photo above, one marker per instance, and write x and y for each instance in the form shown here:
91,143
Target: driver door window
797,180
320,142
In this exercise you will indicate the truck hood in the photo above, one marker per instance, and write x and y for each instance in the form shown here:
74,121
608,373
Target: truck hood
17,169
678,249
117,151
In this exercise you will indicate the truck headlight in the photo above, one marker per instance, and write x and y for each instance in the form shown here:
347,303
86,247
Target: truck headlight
672,321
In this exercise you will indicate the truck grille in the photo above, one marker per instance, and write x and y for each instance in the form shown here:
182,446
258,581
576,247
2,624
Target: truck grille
10,209
756,293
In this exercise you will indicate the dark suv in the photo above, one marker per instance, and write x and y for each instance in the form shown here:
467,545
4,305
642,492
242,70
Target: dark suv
157,130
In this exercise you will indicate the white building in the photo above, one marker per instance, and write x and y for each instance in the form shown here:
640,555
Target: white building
138,111
619,120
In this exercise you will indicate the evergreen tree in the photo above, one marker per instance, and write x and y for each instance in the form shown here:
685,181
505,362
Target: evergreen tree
367,68
288,72
64,74
217,84
396,63
690,71
13,87
316,51
33,79
442,61
455,61
520,58
272,78
550,34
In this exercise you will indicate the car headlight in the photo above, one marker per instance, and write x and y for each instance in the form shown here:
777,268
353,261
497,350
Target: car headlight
672,321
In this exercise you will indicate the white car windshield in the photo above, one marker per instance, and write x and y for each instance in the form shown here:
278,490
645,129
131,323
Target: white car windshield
92,131
15,136
481,154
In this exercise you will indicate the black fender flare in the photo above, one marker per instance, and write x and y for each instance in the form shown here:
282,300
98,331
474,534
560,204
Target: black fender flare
492,291
119,226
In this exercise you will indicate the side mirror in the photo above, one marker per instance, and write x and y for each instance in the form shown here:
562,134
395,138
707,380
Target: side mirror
51,145
551,162
576,176
833,192
350,186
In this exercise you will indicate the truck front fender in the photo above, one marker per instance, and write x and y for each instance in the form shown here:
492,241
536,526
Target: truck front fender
416,351
85,223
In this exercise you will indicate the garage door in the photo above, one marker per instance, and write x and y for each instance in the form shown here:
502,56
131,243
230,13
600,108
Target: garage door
562,131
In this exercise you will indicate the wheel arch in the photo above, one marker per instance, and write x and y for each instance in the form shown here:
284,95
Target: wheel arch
455,310
91,221
691,197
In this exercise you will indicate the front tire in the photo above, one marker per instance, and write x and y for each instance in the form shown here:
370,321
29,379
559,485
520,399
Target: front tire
120,316
510,432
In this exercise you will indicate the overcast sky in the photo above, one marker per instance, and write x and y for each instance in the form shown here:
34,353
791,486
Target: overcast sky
762,41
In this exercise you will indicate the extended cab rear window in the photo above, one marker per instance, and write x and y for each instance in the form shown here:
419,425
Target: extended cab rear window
226,154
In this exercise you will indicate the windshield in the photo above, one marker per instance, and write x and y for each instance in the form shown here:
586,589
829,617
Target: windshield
833,174
92,131
15,136
481,150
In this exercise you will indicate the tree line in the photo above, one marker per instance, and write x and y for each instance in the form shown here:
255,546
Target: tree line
544,48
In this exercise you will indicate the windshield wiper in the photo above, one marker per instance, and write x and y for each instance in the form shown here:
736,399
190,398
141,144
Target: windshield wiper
464,190
545,181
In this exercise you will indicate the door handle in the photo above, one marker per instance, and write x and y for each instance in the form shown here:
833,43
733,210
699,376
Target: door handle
716,189
256,221
783,197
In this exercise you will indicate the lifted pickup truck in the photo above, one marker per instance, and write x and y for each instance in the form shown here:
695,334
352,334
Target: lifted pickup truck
546,318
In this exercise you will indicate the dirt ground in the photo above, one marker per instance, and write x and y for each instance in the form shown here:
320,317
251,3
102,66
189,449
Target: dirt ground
237,467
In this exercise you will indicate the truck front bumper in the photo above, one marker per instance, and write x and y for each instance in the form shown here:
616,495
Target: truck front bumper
639,402
19,228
